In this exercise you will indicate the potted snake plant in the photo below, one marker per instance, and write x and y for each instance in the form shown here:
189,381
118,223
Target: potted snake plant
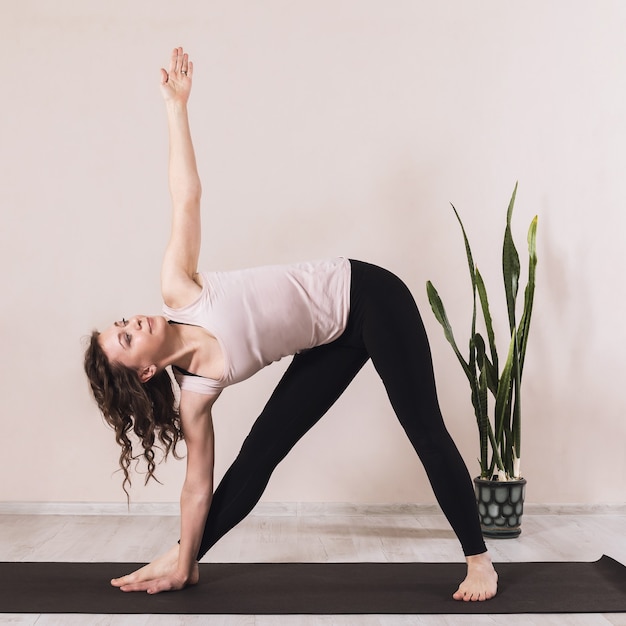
496,387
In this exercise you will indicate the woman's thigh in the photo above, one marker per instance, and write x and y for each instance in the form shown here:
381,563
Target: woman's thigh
312,383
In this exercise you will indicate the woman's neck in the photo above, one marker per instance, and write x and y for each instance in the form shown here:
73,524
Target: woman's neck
195,350
181,344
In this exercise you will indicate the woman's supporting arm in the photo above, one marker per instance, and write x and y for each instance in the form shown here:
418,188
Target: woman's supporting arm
197,491
177,568
181,256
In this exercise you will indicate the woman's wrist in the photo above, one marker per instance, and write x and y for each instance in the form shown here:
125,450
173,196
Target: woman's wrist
175,106
183,575
184,568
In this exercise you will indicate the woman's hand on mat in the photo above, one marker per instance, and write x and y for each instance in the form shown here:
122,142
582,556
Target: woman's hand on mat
160,575
176,84
173,582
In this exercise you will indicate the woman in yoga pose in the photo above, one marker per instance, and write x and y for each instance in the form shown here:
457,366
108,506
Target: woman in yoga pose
220,328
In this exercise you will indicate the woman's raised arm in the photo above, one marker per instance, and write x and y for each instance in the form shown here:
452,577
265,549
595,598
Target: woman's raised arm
180,261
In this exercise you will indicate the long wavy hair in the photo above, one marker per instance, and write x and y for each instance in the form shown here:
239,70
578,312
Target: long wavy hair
149,410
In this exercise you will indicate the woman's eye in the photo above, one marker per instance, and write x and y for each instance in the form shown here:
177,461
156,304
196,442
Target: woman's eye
128,338
124,322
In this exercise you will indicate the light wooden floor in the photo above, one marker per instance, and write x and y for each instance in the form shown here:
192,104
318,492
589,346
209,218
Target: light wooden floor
357,534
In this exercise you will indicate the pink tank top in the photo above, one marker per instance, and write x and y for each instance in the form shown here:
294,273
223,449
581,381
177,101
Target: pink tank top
262,314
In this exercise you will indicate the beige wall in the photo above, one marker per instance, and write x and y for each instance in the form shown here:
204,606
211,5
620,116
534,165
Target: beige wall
322,128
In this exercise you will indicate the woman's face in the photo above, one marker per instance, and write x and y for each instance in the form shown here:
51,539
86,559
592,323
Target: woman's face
138,343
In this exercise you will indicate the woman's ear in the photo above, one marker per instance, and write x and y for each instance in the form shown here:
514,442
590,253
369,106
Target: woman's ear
147,372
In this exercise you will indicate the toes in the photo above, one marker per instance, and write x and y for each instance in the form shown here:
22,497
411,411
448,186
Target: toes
467,595
460,594
470,596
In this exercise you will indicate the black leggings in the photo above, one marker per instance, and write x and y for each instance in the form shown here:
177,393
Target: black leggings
384,325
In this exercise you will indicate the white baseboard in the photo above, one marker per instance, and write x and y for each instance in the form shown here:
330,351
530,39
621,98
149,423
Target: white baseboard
286,508
172,508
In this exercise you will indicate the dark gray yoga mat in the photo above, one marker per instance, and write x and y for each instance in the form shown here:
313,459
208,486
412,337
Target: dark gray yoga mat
317,588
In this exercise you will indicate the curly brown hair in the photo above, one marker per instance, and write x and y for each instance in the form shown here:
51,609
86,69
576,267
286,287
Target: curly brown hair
149,410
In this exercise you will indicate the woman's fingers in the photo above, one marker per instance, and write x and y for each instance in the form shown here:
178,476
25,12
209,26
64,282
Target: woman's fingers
123,580
156,585
139,575
173,60
179,63
182,60
141,586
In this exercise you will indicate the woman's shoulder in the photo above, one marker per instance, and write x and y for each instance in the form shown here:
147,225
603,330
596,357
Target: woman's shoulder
191,383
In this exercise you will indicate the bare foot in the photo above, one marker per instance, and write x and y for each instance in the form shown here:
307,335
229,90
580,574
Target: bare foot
161,567
481,582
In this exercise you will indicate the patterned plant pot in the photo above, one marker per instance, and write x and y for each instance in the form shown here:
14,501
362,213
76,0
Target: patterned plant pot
500,506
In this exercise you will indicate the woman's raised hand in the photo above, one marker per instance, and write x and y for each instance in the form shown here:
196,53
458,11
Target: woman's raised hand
176,84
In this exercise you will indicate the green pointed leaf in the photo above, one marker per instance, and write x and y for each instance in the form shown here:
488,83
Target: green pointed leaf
529,293
440,314
472,271
483,421
484,302
503,405
484,427
510,265
516,422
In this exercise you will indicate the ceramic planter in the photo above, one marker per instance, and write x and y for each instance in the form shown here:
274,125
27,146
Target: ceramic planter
500,506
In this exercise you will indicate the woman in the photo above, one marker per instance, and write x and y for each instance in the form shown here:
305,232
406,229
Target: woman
220,328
